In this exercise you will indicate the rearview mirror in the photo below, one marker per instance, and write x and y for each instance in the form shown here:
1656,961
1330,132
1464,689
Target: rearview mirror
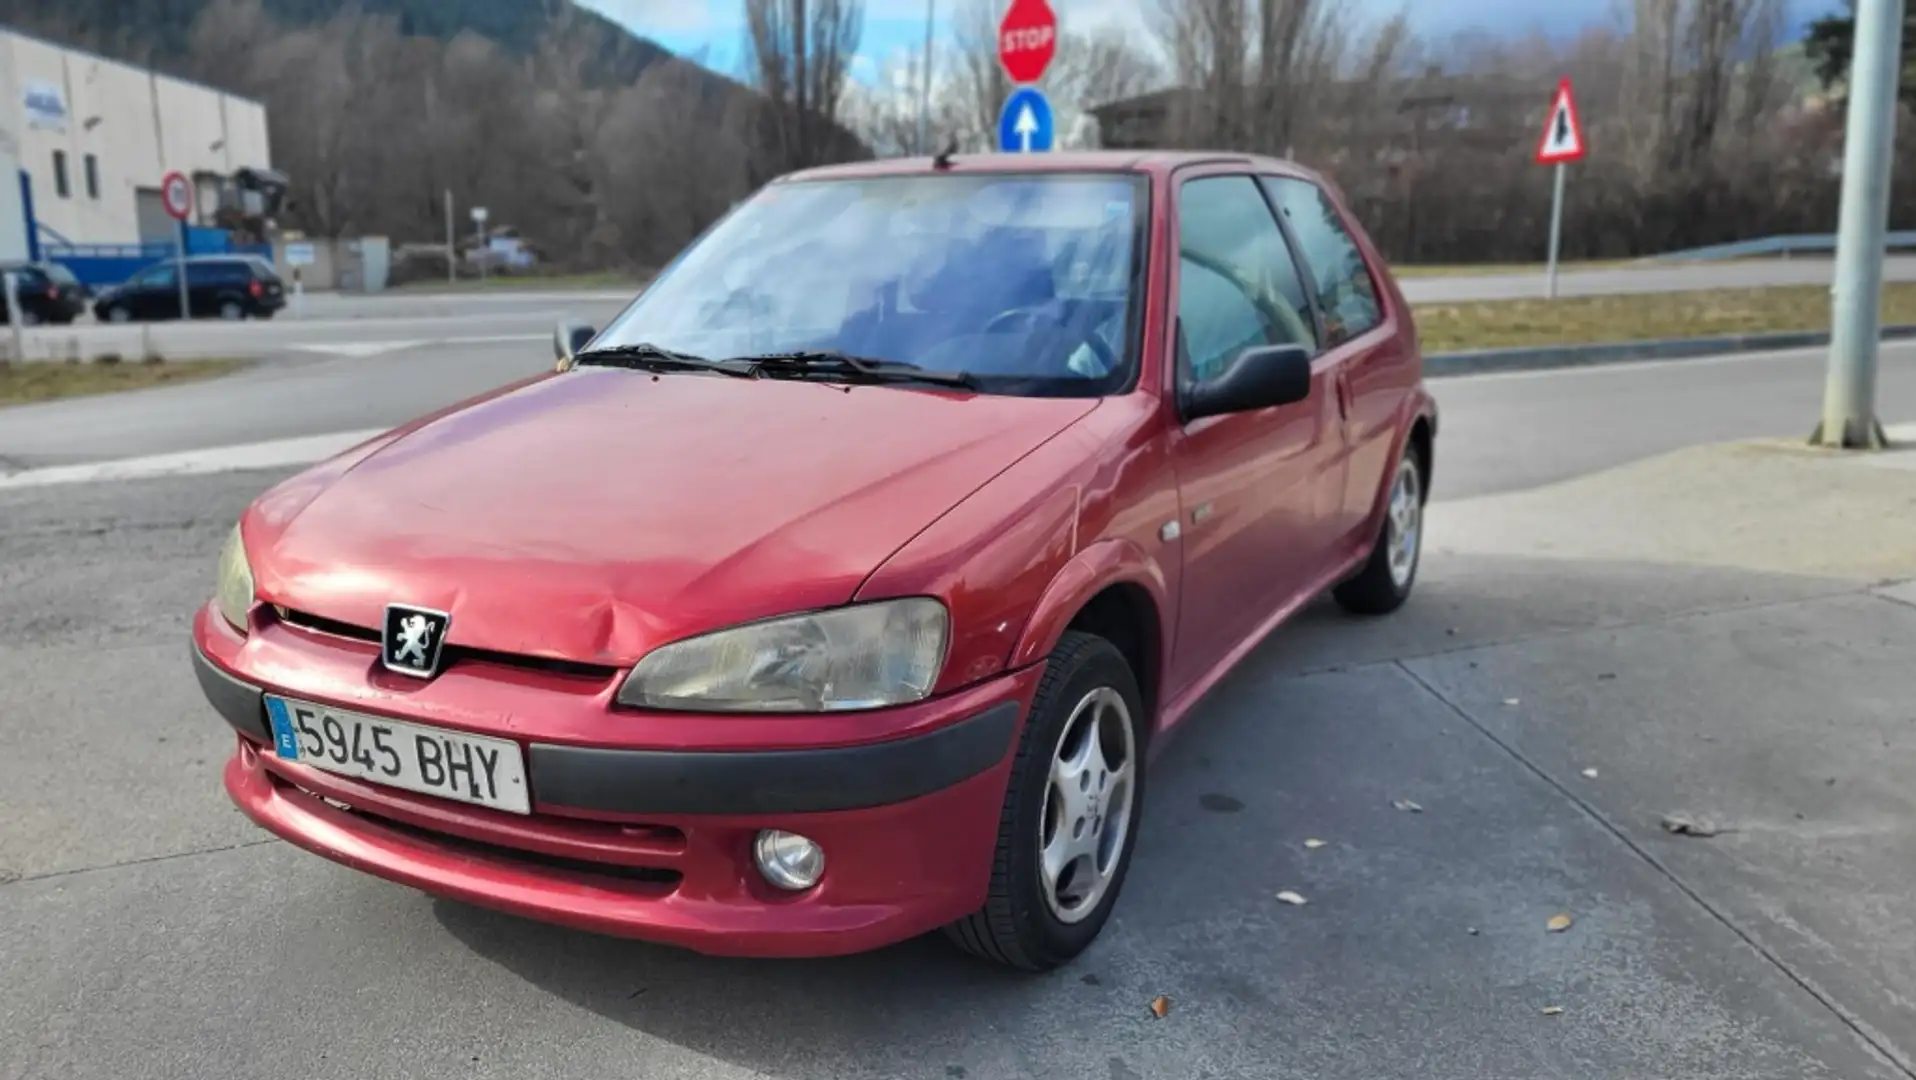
568,338
1259,378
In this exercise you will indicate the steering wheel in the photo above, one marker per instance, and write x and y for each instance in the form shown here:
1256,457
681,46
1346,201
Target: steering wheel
1106,356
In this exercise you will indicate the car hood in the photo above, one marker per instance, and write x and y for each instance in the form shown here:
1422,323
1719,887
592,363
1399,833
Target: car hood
595,515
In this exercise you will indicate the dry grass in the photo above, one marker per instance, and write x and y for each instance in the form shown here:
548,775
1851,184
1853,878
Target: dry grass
1494,324
40,380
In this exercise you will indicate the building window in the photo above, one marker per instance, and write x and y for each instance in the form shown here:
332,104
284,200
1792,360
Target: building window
92,177
60,185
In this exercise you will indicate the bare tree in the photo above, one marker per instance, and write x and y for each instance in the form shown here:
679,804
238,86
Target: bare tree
800,52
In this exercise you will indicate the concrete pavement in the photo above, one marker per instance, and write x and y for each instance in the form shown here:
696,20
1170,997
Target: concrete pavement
1591,623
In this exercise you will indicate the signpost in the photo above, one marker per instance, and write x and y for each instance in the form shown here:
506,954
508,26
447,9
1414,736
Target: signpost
1026,123
1027,42
176,195
479,215
1562,143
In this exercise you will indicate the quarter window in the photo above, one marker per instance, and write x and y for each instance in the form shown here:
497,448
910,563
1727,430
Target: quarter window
1238,286
1346,296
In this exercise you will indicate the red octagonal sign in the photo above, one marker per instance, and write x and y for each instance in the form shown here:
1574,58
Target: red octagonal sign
1027,40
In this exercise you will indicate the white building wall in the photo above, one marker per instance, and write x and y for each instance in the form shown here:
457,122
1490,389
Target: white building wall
134,125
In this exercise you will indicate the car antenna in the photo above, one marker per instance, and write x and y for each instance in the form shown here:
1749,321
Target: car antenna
943,160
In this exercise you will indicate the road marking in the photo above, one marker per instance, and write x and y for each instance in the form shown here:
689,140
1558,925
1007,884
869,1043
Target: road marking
359,349
276,454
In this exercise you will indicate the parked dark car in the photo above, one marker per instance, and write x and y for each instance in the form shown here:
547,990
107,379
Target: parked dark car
218,286
48,293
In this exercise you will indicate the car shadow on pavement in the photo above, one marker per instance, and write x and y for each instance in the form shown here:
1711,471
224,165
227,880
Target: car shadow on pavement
1437,756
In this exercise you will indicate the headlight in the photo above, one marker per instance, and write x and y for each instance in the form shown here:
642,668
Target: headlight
236,581
862,657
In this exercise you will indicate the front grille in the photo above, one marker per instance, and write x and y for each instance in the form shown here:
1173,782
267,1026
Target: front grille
320,624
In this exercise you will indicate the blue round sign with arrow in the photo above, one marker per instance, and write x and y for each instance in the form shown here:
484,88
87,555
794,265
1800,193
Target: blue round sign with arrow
1025,126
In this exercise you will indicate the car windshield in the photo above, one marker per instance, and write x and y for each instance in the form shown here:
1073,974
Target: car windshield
60,274
1024,283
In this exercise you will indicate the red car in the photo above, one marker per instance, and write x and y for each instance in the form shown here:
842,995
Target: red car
842,587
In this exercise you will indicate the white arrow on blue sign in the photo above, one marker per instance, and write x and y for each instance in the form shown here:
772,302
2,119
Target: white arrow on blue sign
1025,125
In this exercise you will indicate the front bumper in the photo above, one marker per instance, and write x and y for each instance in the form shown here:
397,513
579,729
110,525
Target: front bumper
651,842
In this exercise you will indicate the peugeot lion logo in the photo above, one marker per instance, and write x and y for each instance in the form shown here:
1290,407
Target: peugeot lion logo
413,641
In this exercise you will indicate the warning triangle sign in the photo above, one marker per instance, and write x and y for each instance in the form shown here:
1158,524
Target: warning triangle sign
1562,131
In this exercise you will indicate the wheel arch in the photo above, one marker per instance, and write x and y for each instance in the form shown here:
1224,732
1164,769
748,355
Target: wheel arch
1113,591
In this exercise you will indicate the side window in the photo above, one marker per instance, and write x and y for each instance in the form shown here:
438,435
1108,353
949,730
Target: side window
155,277
1238,286
1346,296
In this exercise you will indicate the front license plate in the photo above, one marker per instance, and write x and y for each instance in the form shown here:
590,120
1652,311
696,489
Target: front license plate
432,761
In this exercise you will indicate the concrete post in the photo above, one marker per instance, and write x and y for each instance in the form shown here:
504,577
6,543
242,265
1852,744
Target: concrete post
1849,395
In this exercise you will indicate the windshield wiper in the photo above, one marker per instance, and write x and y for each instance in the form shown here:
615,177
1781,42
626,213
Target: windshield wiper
646,356
852,368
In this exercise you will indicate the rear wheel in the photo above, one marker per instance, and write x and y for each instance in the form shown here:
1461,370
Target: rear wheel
232,310
1384,583
118,313
1071,813
30,317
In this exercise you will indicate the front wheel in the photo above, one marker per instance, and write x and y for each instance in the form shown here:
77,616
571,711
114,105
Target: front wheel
1070,816
1384,583
118,314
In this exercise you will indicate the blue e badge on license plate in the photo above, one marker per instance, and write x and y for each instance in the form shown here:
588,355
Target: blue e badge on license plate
285,740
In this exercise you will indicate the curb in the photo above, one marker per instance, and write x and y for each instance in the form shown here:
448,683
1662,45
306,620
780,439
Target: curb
1481,361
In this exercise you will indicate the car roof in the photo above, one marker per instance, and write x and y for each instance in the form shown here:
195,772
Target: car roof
1150,162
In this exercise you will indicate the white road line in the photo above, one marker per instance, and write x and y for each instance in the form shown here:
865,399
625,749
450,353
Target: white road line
279,453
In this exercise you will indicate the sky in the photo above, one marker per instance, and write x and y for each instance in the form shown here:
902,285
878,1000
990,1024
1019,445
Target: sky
711,31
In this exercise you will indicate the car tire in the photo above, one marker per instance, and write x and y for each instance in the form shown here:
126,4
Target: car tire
118,314
30,318
232,311
1390,573
1088,692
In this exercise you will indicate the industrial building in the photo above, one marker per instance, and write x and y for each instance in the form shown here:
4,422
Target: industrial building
91,138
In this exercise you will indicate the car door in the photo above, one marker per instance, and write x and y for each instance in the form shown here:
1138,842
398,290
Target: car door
1255,488
1371,363
154,293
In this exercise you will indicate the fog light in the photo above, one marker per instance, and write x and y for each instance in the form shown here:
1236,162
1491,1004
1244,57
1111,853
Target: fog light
788,860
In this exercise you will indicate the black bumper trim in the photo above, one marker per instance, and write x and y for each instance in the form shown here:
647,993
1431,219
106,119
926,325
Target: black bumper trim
753,782
238,703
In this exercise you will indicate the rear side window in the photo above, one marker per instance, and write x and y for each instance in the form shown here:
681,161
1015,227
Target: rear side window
1346,296
1238,286
61,274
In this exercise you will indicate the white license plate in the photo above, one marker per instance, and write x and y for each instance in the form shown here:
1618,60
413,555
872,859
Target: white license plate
429,760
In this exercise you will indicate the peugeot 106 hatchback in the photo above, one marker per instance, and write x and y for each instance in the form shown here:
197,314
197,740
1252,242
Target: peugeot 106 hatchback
842,588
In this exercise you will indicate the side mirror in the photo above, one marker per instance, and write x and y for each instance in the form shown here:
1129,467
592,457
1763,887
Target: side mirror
1260,378
567,339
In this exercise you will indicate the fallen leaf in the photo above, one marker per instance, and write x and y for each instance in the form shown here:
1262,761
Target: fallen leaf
1313,843
1589,774
1160,1005
1511,701
1407,806
1472,931
1685,825
1558,924
1553,1010
1291,898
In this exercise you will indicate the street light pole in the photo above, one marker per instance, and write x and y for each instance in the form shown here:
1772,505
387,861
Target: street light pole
1849,395
924,90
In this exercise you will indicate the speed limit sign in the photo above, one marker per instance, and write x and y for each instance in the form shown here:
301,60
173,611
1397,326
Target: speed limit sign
176,194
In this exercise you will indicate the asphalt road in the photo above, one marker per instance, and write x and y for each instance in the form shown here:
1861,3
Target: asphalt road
1500,431
348,324
147,929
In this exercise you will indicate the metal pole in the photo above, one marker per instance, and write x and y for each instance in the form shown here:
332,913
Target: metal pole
452,244
186,312
924,99
14,318
1849,395
1556,235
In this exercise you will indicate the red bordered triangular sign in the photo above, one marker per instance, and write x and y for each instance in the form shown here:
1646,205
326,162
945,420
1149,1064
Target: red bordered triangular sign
1562,130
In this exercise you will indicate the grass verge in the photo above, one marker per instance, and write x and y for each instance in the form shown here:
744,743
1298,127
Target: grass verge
1499,324
44,380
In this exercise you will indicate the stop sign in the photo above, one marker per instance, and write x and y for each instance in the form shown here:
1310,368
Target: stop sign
1027,40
